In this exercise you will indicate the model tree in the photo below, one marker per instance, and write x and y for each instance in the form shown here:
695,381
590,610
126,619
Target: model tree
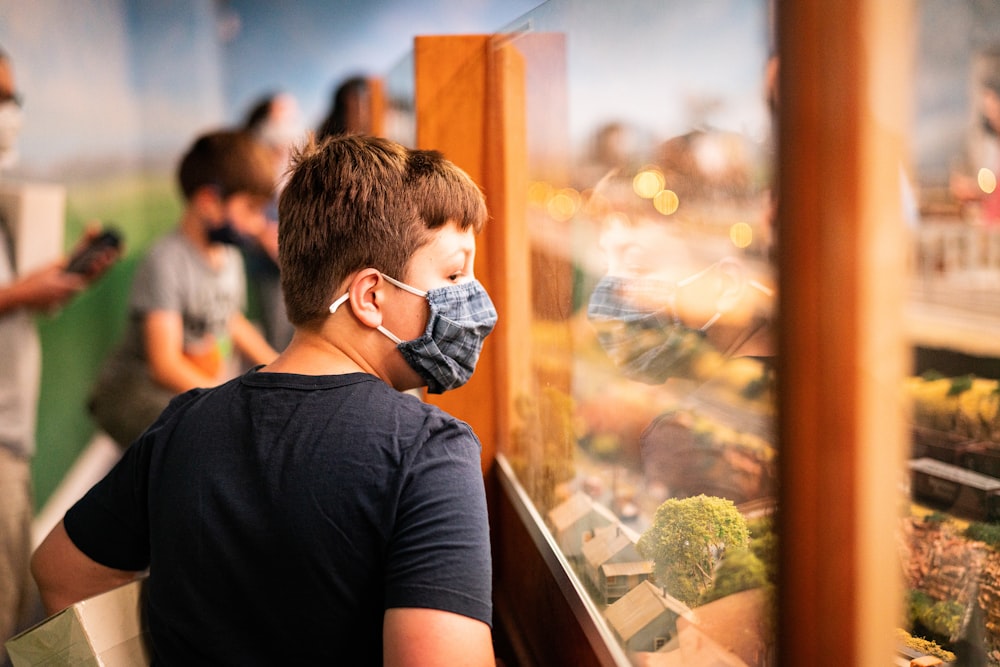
686,540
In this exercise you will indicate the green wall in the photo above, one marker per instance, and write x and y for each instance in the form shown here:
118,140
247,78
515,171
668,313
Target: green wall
76,339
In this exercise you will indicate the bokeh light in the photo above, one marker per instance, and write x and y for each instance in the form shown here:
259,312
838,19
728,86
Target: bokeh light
563,204
648,182
666,201
741,234
539,192
987,180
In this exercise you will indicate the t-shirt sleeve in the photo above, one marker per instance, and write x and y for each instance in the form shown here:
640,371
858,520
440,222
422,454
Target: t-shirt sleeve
439,556
157,282
109,523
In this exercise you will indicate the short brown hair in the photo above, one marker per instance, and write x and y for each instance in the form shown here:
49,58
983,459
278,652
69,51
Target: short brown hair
228,160
356,202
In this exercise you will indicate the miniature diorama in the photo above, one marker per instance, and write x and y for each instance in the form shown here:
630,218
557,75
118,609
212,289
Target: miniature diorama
646,438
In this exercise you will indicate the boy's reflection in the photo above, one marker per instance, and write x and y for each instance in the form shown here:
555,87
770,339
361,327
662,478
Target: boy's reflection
661,305
676,307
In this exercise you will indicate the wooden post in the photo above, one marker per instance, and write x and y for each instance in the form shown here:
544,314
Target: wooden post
470,106
844,84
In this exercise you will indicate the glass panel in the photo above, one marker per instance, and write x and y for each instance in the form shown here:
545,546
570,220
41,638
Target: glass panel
951,536
647,440
400,103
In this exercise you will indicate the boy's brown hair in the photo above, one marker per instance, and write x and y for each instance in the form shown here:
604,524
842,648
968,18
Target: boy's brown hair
356,202
228,160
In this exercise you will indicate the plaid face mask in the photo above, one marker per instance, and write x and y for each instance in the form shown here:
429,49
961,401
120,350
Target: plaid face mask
638,328
445,355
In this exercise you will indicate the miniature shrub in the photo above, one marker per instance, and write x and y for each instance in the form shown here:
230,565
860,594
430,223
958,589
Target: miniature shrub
925,646
739,571
984,532
939,618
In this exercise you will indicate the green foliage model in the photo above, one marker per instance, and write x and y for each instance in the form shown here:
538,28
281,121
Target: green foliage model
687,538
941,618
738,571
984,532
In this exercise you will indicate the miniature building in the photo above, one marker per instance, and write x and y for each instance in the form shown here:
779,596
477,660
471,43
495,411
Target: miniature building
961,491
612,545
709,637
574,521
620,578
645,619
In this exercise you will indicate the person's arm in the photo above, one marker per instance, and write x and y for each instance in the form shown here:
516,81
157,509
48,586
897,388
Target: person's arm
428,637
51,286
249,341
44,288
163,331
66,575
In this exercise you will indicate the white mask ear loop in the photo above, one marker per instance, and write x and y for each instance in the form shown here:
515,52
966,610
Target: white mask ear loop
385,332
406,288
403,286
339,302
690,279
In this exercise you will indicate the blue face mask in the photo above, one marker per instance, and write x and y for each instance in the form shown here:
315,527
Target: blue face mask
445,355
648,343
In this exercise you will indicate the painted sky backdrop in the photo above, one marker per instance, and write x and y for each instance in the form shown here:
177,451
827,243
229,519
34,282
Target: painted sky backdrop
119,82
125,81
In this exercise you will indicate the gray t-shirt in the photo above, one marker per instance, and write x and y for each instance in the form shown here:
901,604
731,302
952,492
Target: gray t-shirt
20,366
174,276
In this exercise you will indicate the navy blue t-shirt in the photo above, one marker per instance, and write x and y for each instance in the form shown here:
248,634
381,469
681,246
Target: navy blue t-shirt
281,515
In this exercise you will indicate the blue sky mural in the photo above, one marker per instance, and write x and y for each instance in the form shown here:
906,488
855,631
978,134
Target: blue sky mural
121,82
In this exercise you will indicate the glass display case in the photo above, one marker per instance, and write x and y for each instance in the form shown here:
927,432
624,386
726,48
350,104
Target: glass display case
644,436
744,377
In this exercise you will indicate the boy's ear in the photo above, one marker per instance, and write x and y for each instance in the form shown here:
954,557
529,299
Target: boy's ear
365,296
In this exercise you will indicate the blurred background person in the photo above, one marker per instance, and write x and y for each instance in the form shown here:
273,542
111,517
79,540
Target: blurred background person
975,183
350,109
186,325
274,121
22,296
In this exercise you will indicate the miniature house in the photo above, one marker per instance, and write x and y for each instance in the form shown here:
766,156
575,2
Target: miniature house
610,560
620,578
645,619
574,521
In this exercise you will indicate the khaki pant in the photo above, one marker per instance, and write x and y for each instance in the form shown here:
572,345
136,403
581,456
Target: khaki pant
17,589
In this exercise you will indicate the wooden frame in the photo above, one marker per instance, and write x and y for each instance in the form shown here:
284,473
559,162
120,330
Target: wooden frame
841,346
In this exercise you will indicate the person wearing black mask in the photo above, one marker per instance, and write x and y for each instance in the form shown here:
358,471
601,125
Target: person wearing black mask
186,320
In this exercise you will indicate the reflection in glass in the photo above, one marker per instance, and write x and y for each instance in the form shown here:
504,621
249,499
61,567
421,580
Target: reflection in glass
399,122
646,439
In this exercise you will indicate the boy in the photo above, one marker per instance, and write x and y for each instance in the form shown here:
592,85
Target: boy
185,308
311,512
